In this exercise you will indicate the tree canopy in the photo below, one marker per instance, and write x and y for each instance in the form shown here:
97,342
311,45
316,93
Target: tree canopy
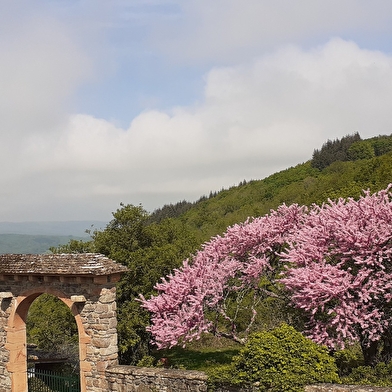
343,272
334,260
149,250
196,297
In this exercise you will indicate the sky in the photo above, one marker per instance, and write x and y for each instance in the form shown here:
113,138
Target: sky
153,102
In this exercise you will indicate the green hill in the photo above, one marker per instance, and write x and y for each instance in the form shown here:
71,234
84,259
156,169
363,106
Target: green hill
33,244
303,184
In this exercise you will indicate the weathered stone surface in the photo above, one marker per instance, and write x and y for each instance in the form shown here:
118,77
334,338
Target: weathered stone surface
136,379
58,264
108,351
107,296
78,298
101,342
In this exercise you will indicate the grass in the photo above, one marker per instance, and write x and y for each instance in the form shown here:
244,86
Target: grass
202,355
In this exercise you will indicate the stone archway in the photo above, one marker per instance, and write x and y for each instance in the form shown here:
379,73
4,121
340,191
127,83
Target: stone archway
86,284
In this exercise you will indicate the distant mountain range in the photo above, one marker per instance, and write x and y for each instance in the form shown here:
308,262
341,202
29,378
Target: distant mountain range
38,237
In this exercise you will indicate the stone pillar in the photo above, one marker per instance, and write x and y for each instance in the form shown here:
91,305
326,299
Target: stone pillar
100,323
5,310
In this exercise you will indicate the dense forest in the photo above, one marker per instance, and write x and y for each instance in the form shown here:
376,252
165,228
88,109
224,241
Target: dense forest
151,245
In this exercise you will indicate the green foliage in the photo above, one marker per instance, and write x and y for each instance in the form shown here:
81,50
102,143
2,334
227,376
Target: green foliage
205,355
150,250
366,149
379,375
51,325
170,211
361,150
221,377
332,151
36,384
282,360
301,184
382,144
147,361
348,359
350,148
74,246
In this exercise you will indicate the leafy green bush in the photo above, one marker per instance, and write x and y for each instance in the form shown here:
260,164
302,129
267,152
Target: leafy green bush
221,375
379,375
282,360
348,359
36,384
57,333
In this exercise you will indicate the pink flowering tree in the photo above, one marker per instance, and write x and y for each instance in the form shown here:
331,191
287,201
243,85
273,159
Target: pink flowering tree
210,290
337,267
341,273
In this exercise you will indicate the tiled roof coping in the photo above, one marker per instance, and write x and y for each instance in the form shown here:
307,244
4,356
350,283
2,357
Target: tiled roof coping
87,264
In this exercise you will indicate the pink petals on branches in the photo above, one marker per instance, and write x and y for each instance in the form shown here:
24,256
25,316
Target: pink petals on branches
342,275
225,265
338,260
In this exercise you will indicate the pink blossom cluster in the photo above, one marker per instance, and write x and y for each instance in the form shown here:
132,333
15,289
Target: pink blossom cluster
342,275
225,264
338,270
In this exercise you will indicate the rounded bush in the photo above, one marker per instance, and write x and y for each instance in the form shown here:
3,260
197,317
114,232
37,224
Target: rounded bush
283,360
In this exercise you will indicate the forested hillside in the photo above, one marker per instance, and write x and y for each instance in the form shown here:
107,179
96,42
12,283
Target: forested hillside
354,165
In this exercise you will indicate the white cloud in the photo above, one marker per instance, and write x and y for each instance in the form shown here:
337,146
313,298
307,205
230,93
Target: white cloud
39,69
268,108
227,30
256,118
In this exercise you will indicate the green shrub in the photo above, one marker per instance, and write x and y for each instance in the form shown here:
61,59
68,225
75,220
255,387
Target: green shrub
36,384
147,361
348,359
220,375
379,375
283,360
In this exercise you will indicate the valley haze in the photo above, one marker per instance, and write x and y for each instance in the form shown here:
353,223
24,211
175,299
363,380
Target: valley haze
59,228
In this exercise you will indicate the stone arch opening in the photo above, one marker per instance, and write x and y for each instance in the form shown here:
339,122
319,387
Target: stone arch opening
52,330
52,336
83,282
16,335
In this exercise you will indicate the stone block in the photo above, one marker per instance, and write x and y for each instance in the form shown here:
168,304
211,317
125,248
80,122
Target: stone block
107,298
108,351
101,308
78,298
101,342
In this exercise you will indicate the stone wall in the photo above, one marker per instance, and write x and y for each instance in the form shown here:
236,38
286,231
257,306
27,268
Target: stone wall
318,388
138,379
